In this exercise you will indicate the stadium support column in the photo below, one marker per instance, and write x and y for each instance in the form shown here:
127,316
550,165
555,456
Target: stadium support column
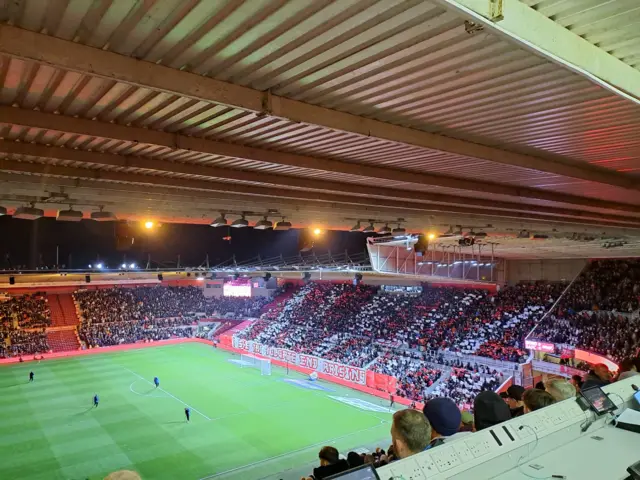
478,262
492,260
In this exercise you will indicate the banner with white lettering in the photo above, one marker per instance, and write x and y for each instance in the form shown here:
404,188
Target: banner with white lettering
338,370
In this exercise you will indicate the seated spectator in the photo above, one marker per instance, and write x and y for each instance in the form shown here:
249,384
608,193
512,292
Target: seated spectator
560,389
535,399
410,433
489,410
514,400
628,368
330,464
599,376
539,385
445,418
354,460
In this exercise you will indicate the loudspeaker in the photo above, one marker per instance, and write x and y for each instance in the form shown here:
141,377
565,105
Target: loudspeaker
306,277
87,278
12,280
267,276
160,276
357,278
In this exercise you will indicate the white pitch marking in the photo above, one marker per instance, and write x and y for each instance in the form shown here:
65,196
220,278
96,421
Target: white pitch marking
162,390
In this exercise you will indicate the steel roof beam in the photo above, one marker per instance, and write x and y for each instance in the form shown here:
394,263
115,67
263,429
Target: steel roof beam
534,31
31,118
12,149
64,54
261,192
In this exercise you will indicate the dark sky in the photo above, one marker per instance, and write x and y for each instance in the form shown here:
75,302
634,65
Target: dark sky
33,243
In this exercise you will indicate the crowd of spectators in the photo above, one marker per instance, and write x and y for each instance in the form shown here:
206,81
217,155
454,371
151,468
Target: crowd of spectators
124,304
599,312
15,343
23,319
109,334
30,311
464,385
612,285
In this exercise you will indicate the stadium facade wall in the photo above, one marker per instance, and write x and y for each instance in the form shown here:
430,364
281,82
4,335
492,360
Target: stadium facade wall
552,270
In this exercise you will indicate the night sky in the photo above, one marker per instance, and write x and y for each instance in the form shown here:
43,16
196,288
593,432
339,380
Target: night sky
33,243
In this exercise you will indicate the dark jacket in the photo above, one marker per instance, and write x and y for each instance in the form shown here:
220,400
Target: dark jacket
592,380
319,473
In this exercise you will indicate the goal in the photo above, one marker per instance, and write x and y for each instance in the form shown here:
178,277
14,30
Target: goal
253,361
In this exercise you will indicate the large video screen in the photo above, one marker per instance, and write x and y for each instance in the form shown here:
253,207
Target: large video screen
230,290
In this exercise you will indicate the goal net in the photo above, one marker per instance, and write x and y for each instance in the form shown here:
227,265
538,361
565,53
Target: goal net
253,361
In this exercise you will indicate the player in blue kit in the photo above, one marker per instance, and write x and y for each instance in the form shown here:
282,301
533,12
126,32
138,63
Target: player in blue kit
96,400
156,381
187,413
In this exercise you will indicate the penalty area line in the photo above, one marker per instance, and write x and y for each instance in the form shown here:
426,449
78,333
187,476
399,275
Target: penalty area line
164,391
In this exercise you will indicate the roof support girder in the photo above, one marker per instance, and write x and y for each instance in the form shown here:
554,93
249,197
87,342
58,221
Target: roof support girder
171,183
535,31
31,118
354,189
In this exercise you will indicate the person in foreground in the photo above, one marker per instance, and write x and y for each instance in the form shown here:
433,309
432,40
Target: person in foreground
410,433
445,419
489,410
535,399
330,464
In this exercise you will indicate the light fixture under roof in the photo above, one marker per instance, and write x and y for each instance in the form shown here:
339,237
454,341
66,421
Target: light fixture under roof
103,216
356,227
369,228
3,211
282,226
28,213
240,223
221,221
384,230
70,215
399,231
263,224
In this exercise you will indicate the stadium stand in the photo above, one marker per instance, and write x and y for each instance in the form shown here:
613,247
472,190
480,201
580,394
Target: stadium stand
599,312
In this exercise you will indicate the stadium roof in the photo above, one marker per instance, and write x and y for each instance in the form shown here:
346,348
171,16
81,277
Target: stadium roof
326,112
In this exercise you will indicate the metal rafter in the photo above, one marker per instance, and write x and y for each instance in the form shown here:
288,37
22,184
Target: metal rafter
316,196
87,127
367,193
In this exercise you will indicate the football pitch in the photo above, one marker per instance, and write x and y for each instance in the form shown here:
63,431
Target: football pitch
243,425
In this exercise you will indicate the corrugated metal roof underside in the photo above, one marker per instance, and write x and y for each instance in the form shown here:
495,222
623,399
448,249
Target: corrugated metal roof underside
408,62
32,86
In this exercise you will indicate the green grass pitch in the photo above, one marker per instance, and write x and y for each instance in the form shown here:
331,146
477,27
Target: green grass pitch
243,425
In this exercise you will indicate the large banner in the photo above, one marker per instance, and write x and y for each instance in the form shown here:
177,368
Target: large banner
337,370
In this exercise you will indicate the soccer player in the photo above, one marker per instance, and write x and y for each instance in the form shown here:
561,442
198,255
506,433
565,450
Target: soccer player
96,400
187,413
391,401
31,376
156,381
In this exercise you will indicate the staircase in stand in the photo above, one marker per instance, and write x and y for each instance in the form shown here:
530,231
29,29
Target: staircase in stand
279,300
63,340
63,310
